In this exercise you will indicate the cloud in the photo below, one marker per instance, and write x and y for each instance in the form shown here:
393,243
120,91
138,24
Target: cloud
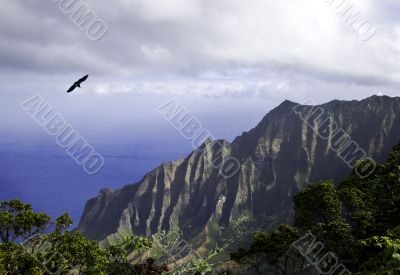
211,89
295,42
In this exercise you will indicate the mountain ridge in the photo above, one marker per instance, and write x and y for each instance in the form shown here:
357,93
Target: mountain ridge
278,157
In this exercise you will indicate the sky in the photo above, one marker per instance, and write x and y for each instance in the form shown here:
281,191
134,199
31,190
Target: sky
232,60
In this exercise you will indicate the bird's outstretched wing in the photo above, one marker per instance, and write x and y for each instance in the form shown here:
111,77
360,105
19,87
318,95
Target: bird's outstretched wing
82,79
72,88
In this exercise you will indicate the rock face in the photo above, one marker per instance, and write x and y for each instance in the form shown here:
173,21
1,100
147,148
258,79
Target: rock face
277,158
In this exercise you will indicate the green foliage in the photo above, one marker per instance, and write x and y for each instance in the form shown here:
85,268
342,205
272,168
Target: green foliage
271,248
63,222
357,221
28,246
149,268
172,246
121,251
72,249
384,252
14,260
317,203
19,221
276,243
359,208
237,229
197,265
167,242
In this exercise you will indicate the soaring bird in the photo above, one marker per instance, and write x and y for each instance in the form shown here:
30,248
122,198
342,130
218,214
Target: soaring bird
77,84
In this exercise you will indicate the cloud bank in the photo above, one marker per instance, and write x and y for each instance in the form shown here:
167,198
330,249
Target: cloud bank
205,47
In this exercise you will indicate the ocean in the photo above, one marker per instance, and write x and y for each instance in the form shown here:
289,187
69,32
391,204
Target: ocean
42,174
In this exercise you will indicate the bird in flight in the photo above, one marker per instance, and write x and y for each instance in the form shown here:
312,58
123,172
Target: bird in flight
77,84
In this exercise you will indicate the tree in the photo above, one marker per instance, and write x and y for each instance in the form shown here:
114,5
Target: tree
384,255
357,221
273,248
18,221
29,246
317,203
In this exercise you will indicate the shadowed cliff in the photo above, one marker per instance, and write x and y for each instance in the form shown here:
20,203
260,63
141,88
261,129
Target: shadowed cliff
278,157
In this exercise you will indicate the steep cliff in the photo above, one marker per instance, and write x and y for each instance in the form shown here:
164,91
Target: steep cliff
291,146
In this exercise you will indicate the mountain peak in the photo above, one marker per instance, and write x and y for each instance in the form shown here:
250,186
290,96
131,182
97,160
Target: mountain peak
286,104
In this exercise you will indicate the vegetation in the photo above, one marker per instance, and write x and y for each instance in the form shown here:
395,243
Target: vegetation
358,222
31,244
171,247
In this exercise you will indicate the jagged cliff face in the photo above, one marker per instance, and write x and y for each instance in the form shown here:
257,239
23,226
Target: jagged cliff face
278,157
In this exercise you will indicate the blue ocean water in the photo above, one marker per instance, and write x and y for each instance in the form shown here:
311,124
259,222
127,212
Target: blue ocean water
43,175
